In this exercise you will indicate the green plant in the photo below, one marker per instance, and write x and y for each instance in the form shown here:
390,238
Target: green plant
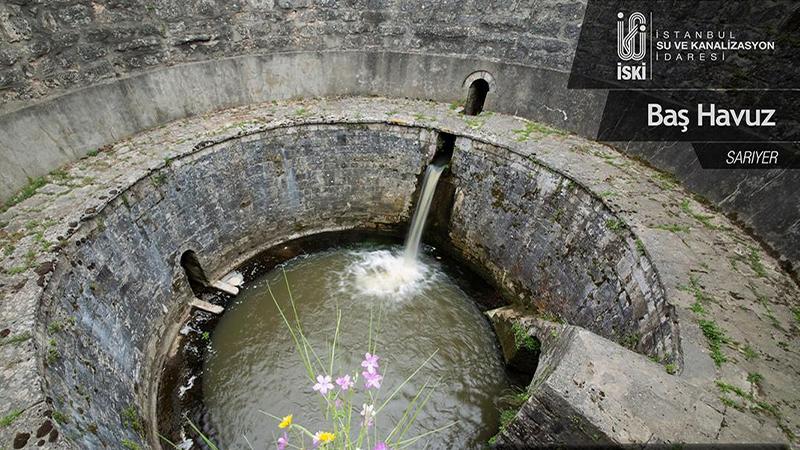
205,336
673,227
55,327
130,445
671,368
749,353
715,337
698,308
25,193
9,418
522,339
530,128
21,337
60,417
615,225
754,260
640,247
130,418
92,153
702,218
347,429
755,378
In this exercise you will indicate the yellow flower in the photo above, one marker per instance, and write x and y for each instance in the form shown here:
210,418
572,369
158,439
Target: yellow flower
326,437
285,422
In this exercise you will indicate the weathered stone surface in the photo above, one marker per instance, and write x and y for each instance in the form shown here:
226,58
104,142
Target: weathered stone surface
131,209
404,49
591,391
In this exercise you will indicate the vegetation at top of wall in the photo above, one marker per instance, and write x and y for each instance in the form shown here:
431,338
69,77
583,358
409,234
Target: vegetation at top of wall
9,418
754,261
130,445
702,218
130,418
21,337
615,225
524,134
513,402
522,340
715,337
673,227
25,193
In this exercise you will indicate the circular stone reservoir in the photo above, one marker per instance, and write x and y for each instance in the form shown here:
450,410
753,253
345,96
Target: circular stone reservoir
408,310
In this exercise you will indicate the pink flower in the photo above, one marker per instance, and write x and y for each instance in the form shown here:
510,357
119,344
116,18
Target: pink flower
370,362
283,441
372,380
381,446
323,384
344,382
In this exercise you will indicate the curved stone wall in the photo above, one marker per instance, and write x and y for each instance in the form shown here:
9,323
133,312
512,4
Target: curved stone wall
120,289
78,75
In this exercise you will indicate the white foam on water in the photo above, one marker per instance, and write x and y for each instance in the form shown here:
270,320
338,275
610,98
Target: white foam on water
386,274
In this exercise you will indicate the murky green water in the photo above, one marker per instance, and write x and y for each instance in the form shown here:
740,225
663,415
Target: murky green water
253,364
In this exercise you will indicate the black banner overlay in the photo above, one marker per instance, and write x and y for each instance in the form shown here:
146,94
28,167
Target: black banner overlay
719,74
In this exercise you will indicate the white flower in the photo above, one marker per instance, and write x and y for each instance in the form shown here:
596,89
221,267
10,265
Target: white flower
368,412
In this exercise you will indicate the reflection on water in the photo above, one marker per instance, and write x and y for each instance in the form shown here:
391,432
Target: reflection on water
253,364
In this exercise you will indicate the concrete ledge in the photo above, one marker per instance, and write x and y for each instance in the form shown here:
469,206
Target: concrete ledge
589,390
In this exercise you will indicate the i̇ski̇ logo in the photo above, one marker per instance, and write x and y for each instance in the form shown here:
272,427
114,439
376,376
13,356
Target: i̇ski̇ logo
631,46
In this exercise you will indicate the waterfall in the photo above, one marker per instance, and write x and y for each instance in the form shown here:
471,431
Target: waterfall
432,175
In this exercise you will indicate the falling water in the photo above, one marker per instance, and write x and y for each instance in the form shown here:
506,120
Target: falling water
432,175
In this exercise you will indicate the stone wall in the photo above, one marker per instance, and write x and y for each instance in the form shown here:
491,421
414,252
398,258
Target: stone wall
76,75
117,284
552,244
120,288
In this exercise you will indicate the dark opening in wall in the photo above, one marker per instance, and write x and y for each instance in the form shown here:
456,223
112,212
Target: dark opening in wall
194,272
476,97
445,142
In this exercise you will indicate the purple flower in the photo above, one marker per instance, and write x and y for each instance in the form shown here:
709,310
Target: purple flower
344,382
381,446
283,441
372,380
370,362
323,384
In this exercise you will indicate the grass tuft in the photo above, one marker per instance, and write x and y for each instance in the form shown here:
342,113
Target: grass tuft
715,337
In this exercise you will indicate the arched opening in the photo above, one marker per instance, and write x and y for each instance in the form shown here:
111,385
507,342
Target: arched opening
476,97
194,272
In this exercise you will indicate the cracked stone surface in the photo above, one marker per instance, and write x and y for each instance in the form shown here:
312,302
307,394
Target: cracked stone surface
719,279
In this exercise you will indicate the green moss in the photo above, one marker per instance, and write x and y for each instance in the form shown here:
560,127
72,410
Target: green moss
671,368
92,153
9,418
715,337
